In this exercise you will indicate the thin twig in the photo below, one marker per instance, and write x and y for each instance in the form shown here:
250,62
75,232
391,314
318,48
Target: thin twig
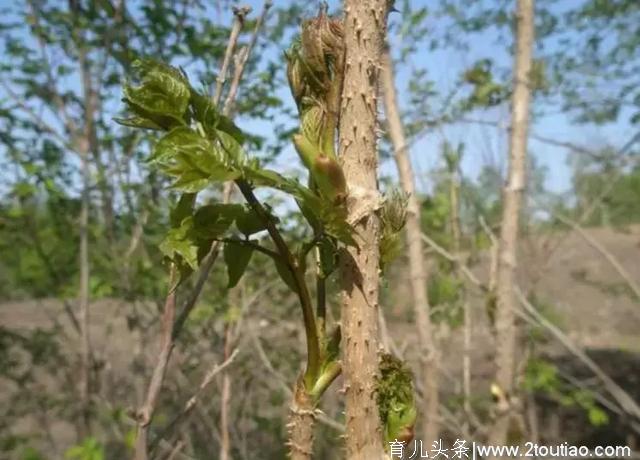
313,344
282,382
456,260
193,400
238,22
624,400
145,414
241,60
613,261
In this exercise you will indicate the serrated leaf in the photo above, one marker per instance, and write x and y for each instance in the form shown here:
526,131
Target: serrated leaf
204,111
162,96
226,125
314,208
237,258
191,182
213,122
193,159
232,148
179,242
138,122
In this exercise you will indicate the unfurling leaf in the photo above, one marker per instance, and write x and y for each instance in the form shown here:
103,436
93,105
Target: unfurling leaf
237,257
213,122
396,400
161,98
393,216
180,245
193,160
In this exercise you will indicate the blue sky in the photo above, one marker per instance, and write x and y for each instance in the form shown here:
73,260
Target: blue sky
484,145
487,144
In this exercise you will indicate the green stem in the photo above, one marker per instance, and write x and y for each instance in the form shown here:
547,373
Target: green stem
331,372
321,304
313,344
252,244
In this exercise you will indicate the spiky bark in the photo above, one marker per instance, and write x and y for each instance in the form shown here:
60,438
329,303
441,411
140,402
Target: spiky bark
415,251
301,423
505,295
365,24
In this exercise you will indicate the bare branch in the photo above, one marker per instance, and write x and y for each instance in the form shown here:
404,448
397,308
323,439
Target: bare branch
145,413
238,22
241,61
613,261
193,400
624,400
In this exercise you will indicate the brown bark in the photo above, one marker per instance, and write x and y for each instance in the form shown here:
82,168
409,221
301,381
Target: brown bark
225,398
87,143
302,418
145,413
415,251
83,300
225,393
364,29
505,295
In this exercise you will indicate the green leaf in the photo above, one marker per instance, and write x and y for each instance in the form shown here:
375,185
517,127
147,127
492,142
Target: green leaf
314,208
328,256
213,220
138,122
232,148
183,209
179,242
212,120
248,223
191,182
204,111
237,257
162,97
227,126
286,275
193,159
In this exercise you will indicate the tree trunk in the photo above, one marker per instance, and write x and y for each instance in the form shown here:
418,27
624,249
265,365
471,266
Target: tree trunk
225,398
505,295
415,251
364,29
83,300
87,144
302,420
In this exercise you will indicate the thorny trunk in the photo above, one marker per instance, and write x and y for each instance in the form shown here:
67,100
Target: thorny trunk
505,294
302,418
415,251
364,29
